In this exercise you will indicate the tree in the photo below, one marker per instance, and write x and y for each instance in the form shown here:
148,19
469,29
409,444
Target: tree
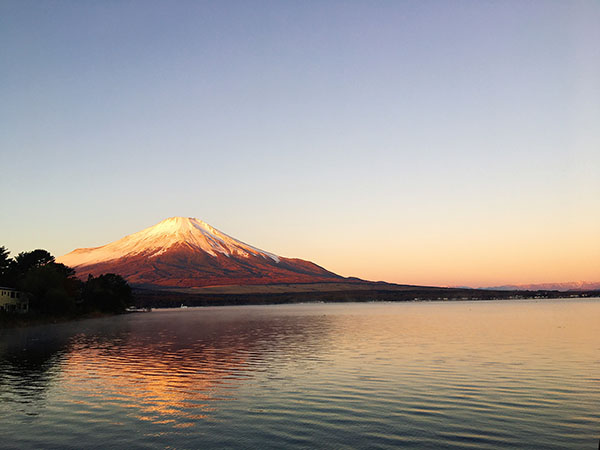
4,259
52,288
108,293
29,260
5,264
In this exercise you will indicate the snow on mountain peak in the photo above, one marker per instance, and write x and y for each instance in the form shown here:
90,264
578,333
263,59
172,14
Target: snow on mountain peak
179,224
157,239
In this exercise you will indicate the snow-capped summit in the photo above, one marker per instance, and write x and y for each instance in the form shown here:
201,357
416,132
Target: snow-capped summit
184,251
155,240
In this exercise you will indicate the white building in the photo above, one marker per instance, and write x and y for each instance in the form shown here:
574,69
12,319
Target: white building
12,300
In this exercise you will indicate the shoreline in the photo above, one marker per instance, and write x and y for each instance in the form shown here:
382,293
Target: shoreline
387,302
147,298
36,319
25,320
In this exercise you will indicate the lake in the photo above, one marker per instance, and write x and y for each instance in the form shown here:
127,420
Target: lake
485,375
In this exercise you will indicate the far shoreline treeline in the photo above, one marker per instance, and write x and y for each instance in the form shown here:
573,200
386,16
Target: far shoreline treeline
53,290
355,292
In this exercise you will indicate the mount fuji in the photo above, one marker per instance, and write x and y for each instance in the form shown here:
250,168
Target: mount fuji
186,252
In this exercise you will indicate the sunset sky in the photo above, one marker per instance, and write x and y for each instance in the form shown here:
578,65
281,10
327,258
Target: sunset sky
422,142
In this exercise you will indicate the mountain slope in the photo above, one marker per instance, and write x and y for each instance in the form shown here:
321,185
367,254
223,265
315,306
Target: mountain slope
186,252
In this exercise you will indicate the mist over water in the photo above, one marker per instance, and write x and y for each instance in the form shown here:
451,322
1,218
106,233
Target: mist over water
503,374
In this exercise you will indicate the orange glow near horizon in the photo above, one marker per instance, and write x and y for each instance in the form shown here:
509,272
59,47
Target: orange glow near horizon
451,254
464,248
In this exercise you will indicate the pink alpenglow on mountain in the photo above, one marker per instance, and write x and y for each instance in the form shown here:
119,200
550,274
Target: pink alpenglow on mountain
187,252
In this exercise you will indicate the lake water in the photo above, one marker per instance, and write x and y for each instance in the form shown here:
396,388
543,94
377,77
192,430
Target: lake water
485,375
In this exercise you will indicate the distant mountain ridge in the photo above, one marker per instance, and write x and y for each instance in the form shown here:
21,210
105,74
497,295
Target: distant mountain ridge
187,252
566,286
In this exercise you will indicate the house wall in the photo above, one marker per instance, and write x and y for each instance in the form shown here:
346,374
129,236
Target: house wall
12,300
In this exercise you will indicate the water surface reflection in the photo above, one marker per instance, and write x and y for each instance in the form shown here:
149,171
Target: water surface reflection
423,375
164,372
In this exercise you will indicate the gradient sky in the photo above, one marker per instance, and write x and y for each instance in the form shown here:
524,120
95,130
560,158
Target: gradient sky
423,142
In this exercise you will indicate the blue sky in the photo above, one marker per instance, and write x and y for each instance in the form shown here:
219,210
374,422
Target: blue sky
436,142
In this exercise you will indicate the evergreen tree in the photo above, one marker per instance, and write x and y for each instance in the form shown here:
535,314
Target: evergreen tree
5,263
108,293
53,287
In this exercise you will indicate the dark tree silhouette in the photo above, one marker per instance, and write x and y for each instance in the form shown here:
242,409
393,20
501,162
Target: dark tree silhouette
5,264
29,260
4,259
107,293
53,288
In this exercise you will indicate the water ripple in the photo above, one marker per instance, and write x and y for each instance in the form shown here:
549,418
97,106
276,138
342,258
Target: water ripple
418,375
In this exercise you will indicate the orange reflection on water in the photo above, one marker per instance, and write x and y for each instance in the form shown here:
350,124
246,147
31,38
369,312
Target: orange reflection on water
160,387
497,373
176,372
